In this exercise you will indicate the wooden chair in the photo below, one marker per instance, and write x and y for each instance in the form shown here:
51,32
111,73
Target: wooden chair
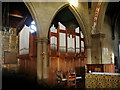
71,79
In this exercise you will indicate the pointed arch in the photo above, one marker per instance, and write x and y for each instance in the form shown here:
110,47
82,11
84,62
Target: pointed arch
101,16
33,14
79,19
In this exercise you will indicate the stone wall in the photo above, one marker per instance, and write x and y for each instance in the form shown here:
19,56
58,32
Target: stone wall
100,50
1,47
8,42
44,13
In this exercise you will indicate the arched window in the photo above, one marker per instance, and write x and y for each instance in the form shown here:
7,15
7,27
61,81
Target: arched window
33,28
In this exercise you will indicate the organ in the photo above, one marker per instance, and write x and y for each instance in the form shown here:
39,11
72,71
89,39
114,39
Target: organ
67,51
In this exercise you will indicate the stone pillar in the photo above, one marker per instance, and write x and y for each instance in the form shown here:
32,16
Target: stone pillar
45,58
96,48
42,59
88,55
39,60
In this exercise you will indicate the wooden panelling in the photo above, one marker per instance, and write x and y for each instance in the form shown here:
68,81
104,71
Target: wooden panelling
63,31
53,34
28,62
109,68
62,54
95,67
33,45
25,56
65,61
10,57
65,65
53,53
69,55
28,66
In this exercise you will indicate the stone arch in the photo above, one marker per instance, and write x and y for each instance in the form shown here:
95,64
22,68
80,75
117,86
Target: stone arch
81,23
101,16
78,16
42,64
33,14
79,19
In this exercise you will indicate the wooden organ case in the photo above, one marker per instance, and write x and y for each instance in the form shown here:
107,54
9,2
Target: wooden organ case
28,61
67,52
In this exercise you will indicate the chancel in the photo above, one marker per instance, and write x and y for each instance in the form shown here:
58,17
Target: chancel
71,44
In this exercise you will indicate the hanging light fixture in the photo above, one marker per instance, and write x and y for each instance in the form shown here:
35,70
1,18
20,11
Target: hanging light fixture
73,2
16,13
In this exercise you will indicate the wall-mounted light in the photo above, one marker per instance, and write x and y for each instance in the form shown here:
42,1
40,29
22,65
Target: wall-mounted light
73,2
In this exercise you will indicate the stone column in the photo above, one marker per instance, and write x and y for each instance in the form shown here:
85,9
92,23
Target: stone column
45,58
39,60
88,54
96,48
42,59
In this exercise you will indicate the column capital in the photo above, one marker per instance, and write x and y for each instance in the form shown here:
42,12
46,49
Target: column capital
97,36
43,39
88,46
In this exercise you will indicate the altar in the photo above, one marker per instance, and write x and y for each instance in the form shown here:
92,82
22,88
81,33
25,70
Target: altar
102,80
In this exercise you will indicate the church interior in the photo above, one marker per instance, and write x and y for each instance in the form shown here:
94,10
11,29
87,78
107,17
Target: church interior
60,45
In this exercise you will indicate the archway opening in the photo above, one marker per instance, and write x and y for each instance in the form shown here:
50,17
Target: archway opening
20,31
67,51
